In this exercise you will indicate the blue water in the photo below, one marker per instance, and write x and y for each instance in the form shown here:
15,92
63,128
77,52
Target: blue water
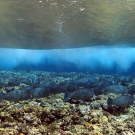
93,60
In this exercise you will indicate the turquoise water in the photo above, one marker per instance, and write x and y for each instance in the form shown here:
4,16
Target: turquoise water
91,59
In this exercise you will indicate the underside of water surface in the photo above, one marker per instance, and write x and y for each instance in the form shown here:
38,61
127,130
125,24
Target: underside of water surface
49,24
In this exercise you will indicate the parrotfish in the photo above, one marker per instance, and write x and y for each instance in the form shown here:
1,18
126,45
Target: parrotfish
123,101
116,89
80,94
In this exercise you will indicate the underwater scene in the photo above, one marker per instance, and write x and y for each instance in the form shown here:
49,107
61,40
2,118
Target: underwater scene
67,67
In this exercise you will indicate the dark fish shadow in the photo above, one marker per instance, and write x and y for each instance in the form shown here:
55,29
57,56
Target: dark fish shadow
115,110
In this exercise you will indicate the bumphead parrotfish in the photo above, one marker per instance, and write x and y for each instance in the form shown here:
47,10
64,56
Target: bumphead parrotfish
123,101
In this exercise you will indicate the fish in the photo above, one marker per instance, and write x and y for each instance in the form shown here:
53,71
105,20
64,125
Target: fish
112,80
63,87
116,89
98,86
52,86
126,79
98,90
16,95
123,101
131,90
8,81
72,86
25,93
48,83
86,81
80,94
59,88
30,80
39,92
100,83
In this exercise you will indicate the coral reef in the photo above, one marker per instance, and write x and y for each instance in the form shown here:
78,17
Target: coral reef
52,116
